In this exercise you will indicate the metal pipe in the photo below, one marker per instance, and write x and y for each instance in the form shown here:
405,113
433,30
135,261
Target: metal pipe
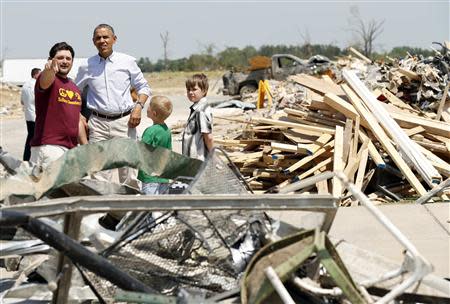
305,286
420,266
424,198
306,182
278,285
77,253
388,193
384,277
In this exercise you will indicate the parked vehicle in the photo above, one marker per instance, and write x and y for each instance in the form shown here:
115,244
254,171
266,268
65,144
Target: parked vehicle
283,65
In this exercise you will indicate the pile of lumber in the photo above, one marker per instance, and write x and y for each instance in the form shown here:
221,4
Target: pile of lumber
347,128
420,82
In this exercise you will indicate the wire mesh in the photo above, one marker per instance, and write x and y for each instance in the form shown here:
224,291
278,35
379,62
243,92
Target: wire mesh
189,250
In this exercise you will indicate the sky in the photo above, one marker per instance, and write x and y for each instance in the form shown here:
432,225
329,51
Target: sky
30,28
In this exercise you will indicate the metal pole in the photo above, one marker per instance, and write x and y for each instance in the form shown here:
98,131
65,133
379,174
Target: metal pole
278,285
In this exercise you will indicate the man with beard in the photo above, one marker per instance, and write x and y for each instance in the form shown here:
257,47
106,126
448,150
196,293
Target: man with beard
58,104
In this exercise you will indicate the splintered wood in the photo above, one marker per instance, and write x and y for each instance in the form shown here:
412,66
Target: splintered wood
335,131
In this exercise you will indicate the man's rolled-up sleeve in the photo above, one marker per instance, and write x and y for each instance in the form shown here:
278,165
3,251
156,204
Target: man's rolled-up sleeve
138,80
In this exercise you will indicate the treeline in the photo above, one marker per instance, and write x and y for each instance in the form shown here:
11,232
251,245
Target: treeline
233,57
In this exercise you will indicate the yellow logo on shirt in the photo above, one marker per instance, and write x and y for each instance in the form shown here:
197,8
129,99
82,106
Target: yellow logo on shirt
69,97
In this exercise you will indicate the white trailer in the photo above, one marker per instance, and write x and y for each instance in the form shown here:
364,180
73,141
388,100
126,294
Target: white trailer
18,71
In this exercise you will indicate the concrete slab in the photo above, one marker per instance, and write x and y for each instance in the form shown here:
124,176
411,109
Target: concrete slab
441,212
358,227
424,228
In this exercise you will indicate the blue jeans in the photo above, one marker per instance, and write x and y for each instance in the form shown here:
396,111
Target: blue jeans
154,188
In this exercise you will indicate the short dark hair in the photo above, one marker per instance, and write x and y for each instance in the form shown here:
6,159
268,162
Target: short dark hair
200,80
35,71
103,25
61,46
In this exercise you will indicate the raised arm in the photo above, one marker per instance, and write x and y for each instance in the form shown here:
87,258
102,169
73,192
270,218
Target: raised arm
48,74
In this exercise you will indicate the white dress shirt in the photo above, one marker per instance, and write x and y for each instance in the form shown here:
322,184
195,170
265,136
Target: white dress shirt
109,81
27,99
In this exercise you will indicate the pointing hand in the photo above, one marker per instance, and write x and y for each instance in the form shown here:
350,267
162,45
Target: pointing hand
52,65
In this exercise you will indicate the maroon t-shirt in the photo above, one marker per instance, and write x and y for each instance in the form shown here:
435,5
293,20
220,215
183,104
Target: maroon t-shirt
57,114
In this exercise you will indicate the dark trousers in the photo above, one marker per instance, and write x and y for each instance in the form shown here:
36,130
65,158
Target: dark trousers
27,150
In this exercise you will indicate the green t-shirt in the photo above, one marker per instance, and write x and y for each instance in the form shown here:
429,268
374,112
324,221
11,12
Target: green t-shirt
157,136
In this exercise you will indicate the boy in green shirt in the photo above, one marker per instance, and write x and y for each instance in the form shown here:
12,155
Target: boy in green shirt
158,135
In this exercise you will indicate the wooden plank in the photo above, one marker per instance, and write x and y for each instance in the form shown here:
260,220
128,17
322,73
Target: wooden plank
408,73
313,121
72,223
312,116
347,138
359,55
235,119
397,101
434,158
297,126
296,139
385,141
444,170
319,105
310,149
434,147
340,105
414,131
320,142
338,161
322,186
442,103
266,173
241,142
446,114
353,162
411,121
404,143
327,79
315,168
317,84
362,168
373,151
284,147
295,112
307,159
356,137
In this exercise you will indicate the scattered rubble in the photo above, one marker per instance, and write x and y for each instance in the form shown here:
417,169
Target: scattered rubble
368,133
318,124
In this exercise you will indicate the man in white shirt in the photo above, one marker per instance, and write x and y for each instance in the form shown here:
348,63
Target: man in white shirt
109,75
27,101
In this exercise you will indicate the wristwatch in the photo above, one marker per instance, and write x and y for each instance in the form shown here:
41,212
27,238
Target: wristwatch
140,103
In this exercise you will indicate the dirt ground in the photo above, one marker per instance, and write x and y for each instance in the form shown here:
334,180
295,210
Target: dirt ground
171,84
10,106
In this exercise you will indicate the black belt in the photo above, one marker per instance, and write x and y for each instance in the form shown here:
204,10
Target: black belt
112,117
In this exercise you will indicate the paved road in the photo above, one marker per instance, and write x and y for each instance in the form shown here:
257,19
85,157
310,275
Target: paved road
13,131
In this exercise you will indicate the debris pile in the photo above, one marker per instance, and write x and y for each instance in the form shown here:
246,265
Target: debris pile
9,100
388,146
377,134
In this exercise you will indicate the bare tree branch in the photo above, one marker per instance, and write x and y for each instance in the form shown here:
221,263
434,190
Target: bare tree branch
367,32
306,37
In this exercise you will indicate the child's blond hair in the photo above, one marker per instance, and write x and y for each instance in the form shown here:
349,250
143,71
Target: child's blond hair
201,80
162,106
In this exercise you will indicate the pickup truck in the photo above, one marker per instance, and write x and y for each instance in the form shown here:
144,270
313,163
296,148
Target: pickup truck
283,65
